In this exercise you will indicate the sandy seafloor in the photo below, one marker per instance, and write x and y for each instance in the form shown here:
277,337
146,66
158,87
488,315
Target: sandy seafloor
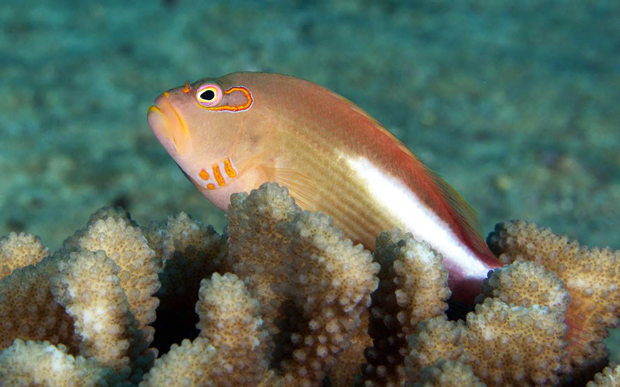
516,104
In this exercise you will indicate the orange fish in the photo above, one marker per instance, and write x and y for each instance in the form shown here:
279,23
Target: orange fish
233,133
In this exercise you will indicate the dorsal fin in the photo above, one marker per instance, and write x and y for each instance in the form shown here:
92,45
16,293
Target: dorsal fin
462,213
377,125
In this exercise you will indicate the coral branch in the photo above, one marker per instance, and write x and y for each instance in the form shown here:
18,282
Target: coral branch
413,287
187,252
609,377
331,281
88,287
504,344
591,277
449,374
20,250
128,248
43,364
229,327
28,310
229,319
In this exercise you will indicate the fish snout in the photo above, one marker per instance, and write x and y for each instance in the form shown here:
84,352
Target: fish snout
167,125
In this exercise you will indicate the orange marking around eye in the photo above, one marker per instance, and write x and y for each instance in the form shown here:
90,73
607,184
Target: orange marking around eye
210,186
229,169
187,89
218,175
204,175
229,108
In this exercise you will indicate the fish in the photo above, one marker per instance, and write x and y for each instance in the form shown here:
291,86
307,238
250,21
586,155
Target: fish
234,133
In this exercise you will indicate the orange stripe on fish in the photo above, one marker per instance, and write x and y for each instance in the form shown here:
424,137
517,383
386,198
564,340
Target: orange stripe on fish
214,97
247,105
230,171
204,175
218,175
218,179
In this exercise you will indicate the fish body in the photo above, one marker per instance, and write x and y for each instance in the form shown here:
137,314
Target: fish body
233,133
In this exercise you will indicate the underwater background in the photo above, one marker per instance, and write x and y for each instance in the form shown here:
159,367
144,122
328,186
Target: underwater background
516,104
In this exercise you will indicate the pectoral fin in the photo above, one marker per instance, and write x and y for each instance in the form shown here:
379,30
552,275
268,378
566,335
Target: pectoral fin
300,186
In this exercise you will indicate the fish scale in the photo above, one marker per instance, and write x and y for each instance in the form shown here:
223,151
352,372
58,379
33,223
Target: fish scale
350,210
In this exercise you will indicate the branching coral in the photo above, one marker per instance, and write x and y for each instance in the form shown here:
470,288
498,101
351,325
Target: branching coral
526,284
20,250
187,252
43,364
229,319
230,326
256,242
413,287
505,345
77,299
331,282
127,247
88,286
296,307
591,276
515,337
609,377
28,310
328,285
449,374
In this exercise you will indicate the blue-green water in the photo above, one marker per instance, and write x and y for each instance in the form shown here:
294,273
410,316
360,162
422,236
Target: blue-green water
514,103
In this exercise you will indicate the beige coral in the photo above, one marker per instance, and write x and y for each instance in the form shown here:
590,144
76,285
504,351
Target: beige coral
126,246
256,242
301,268
351,359
609,377
229,319
448,374
591,277
230,326
331,281
188,252
46,365
413,287
515,337
327,288
28,310
88,286
20,250
296,308
527,284
505,345
187,364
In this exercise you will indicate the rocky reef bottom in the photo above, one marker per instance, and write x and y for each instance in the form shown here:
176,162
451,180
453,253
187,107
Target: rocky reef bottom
282,298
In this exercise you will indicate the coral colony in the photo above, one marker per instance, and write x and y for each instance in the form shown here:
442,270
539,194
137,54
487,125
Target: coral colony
284,299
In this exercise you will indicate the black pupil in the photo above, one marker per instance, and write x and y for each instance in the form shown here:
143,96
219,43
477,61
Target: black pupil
207,95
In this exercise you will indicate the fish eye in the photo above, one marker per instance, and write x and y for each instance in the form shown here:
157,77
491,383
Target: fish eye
209,95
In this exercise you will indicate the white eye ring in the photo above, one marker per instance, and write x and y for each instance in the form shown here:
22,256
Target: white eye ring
209,94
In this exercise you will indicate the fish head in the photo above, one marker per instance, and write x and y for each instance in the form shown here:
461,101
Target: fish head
210,129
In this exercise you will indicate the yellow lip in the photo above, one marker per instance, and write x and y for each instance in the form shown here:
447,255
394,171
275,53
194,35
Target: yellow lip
167,125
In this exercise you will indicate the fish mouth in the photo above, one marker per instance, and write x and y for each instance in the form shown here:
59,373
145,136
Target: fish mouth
167,125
